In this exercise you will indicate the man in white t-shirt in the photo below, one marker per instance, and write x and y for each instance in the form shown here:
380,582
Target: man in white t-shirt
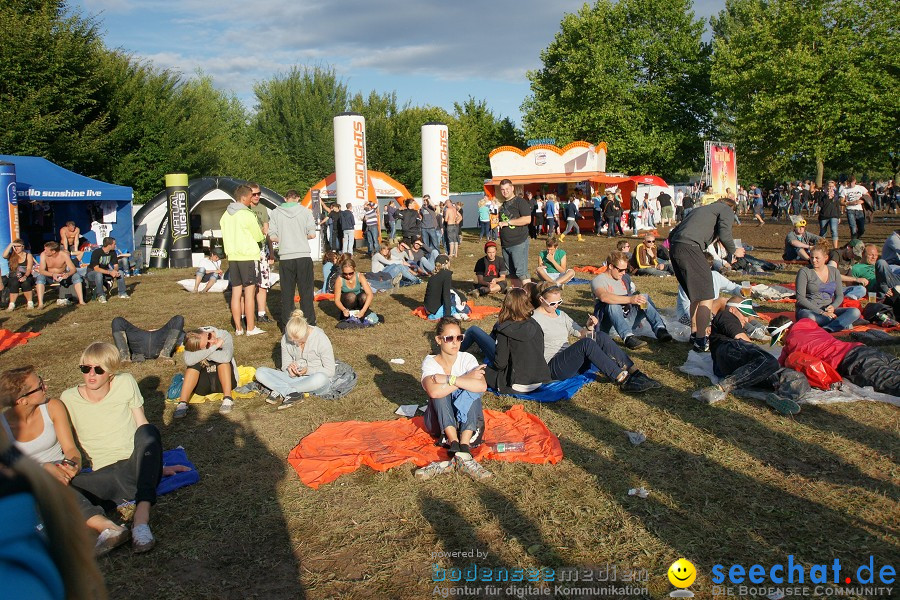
851,199
209,271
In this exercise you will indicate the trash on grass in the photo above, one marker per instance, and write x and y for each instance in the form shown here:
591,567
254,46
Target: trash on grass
398,361
636,437
640,492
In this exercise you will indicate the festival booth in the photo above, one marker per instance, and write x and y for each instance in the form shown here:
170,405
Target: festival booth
579,166
207,199
46,196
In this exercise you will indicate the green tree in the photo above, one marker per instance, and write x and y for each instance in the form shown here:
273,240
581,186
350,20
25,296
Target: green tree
49,84
808,85
634,74
474,132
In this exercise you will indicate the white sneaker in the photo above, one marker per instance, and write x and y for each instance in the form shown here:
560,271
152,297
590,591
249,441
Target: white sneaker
227,406
124,296
142,539
102,299
30,305
11,307
255,331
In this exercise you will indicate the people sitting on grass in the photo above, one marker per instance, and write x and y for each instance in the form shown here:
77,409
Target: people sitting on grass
330,272
210,368
307,364
820,293
645,261
421,256
352,293
209,271
518,363
799,242
385,261
619,307
593,348
56,266
105,265
440,298
454,383
490,272
738,361
137,345
122,448
552,267
20,279
860,364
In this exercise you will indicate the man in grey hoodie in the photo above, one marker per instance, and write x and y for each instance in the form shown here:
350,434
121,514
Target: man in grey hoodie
292,226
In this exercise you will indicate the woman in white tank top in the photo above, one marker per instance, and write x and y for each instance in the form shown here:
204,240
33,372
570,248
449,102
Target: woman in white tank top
40,429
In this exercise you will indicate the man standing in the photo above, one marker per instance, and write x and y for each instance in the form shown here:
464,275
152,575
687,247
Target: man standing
372,228
410,221
429,225
452,223
292,226
348,228
689,241
241,236
105,263
515,214
266,254
851,198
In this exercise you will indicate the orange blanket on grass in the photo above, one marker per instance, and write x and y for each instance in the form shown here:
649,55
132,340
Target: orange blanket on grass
768,316
476,312
590,269
11,339
317,298
338,448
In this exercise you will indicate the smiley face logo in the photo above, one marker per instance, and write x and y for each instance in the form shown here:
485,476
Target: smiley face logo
682,573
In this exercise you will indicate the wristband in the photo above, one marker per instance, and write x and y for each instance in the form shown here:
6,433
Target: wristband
452,380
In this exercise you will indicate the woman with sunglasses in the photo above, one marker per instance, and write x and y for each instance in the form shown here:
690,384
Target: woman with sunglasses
594,348
454,382
123,449
20,278
209,358
351,290
41,431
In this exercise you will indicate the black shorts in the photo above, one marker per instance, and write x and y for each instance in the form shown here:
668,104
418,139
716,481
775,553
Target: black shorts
209,379
692,271
242,272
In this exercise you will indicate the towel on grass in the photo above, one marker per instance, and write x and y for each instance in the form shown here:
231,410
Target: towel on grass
338,448
169,484
244,376
590,269
11,339
476,312
768,316
556,390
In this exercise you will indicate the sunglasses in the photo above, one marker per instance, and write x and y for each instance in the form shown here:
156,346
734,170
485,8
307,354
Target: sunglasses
348,275
554,304
98,370
451,338
651,242
617,268
256,193
41,386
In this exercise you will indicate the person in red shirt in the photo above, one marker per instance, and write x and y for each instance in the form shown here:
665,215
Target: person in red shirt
856,362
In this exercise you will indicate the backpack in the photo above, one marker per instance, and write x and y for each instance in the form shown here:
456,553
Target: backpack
342,383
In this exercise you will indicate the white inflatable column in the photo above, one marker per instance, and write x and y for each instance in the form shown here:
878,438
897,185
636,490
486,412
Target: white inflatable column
350,170
436,162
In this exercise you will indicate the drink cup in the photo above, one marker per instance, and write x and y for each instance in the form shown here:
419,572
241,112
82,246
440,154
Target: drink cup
871,296
745,289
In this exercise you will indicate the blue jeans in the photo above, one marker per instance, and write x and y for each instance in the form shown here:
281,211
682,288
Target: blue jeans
453,311
349,240
427,262
843,320
326,273
96,279
441,413
372,234
885,277
403,271
485,230
854,291
516,258
613,317
857,221
392,228
284,384
431,239
488,345
825,224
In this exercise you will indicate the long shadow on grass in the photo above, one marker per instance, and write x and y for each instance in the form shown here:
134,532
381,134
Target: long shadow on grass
398,387
830,422
225,537
519,525
719,515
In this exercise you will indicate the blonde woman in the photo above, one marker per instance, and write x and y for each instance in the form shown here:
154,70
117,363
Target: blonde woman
21,264
307,364
123,449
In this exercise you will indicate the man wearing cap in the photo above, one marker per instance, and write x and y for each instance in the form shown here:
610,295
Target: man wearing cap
515,215
739,362
860,364
490,270
798,242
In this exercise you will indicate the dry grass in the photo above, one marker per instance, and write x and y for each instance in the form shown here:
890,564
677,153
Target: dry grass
736,483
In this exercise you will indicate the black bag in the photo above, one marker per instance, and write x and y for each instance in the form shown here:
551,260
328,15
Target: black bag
791,384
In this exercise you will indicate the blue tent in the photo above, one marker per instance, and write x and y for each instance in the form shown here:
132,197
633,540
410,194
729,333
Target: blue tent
69,195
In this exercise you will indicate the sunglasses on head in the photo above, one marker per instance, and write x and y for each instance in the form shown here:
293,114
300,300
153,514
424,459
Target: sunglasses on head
451,338
98,370
41,386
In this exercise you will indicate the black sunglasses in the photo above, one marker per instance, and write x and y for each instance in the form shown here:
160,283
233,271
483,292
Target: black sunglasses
41,386
350,274
87,369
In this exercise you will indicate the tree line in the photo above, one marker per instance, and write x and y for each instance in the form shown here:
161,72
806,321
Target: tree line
100,112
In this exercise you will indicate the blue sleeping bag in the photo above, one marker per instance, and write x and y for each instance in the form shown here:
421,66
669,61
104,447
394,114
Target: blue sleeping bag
179,480
556,390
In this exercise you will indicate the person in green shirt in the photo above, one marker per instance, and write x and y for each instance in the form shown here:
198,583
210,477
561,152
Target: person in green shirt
552,267
866,268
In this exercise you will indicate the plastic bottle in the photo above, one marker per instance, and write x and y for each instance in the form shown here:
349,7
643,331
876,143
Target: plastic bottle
508,447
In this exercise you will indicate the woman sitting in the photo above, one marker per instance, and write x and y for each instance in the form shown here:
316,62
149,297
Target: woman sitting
329,263
567,360
440,297
307,364
123,448
352,293
209,357
454,382
553,263
41,431
20,279
820,293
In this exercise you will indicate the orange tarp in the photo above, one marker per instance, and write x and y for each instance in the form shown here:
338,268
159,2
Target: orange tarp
768,316
477,312
10,339
591,270
338,448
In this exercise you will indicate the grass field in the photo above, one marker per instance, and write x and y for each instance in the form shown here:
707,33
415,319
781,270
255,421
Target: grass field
733,483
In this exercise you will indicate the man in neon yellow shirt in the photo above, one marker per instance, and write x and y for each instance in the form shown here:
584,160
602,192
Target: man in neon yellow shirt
241,235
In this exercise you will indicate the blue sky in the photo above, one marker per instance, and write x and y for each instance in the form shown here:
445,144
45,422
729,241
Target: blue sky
430,52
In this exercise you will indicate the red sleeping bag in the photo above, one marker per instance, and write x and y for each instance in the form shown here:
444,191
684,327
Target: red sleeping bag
819,373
